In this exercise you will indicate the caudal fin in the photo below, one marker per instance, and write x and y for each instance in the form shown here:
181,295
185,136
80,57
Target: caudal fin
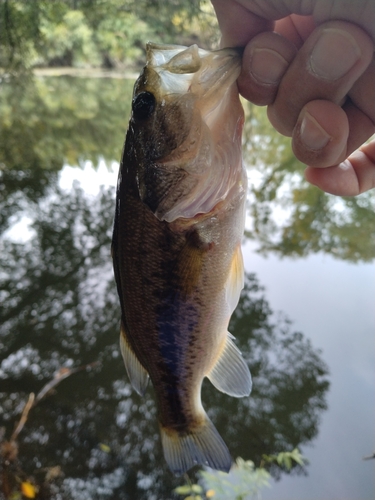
203,446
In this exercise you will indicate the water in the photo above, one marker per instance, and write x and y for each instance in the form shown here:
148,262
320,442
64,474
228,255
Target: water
313,377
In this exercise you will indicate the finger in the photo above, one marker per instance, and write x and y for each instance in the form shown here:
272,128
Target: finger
359,12
295,28
237,23
265,60
351,177
363,92
325,134
321,134
361,126
331,60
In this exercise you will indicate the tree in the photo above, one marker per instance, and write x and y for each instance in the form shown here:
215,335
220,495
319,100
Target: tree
105,33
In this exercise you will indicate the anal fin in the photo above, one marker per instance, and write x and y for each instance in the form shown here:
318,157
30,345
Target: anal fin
137,374
230,373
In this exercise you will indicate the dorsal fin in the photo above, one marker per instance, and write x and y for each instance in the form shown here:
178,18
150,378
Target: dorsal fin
137,374
230,373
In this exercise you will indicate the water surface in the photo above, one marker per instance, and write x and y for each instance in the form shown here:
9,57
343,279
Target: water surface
313,384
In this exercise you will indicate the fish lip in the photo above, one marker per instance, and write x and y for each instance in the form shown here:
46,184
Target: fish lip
152,47
192,69
161,54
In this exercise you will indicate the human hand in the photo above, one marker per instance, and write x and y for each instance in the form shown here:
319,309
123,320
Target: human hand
316,73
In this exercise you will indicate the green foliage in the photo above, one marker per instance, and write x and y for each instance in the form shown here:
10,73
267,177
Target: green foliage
97,32
121,38
285,459
69,41
47,122
243,482
19,34
193,491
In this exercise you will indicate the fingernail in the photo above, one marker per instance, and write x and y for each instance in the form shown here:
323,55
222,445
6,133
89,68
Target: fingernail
267,66
335,52
312,134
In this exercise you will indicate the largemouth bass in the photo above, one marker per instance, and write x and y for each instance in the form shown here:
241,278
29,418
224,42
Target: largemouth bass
177,243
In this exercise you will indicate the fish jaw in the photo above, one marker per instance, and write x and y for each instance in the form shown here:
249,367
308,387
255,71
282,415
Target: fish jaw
192,69
190,148
207,75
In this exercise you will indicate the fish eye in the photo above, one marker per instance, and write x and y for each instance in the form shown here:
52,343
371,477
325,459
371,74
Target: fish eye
143,105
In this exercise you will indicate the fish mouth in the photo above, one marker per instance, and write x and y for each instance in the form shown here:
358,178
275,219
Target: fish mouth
192,69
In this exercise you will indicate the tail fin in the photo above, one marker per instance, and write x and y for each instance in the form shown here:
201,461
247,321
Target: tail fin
202,445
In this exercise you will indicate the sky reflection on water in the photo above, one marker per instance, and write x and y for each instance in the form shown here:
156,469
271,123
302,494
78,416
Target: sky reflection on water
332,302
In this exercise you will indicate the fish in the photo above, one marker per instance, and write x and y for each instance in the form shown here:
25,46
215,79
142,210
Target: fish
176,247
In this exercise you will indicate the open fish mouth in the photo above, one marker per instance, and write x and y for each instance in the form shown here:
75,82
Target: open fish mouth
185,69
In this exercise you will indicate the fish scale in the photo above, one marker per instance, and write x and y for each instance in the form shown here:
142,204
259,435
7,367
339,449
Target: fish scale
177,259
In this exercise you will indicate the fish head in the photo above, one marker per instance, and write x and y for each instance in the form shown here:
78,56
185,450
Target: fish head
177,105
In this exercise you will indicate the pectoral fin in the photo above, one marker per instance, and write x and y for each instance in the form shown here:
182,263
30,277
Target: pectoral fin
231,374
235,281
137,374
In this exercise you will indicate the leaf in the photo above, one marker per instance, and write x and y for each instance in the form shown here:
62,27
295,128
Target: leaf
288,462
104,447
53,473
28,490
16,495
297,456
195,488
183,490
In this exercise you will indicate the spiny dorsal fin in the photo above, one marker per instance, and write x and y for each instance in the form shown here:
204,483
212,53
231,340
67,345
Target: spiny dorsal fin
235,281
201,446
230,373
137,374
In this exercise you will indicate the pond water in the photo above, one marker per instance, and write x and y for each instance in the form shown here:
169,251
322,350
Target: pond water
305,322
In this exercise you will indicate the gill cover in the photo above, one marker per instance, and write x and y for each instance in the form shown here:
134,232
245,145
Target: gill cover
183,141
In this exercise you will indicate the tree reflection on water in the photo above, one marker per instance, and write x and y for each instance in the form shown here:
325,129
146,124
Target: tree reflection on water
311,221
59,307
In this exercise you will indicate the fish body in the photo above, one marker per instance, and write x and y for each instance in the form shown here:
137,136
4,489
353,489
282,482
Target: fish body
176,243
